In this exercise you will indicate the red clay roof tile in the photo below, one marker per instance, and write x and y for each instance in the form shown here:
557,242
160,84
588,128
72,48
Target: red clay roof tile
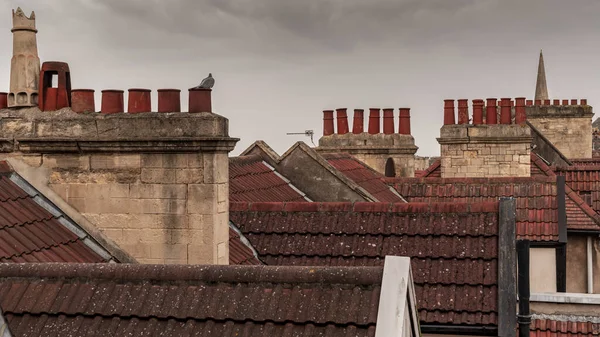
453,247
362,175
252,179
29,233
122,299
548,327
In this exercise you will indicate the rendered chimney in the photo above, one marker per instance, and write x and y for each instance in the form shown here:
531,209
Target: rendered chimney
25,63
82,100
342,121
374,121
358,123
388,121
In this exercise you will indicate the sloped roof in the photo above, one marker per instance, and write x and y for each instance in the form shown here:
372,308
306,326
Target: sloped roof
453,247
433,171
363,175
252,179
183,300
34,230
537,208
549,327
580,215
241,251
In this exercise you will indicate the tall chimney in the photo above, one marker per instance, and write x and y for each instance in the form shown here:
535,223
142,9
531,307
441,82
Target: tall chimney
449,112
477,111
358,123
327,122
388,121
505,109
374,121
342,121
404,121
463,111
25,63
491,116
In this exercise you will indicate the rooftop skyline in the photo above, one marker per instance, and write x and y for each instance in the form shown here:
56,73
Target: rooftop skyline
278,64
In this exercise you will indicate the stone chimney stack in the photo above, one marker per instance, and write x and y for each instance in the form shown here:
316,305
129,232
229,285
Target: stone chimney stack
155,183
378,147
494,147
25,63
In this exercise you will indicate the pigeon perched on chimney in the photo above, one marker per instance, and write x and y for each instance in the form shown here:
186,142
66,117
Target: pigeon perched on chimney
206,83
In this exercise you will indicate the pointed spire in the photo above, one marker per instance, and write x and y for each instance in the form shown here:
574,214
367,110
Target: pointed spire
541,90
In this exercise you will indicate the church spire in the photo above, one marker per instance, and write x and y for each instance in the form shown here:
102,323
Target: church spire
541,90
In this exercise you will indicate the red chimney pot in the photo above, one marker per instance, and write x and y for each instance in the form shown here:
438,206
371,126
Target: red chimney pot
520,113
505,109
477,111
404,121
449,112
3,100
388,121
112,101
573,101
342,121
358,124
374,122
82,100
463,111
491,115
327,122
139,101
199,100
169,100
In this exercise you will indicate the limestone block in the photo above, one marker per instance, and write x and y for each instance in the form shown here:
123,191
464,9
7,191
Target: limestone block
201,199
216,168
66,161
115,162
158,191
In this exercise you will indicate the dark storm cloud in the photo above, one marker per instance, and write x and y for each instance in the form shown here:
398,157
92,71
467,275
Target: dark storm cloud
278,63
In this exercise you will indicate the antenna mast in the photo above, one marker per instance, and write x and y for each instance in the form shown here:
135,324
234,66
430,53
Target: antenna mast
308,133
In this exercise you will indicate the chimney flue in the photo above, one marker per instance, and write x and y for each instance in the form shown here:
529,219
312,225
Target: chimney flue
449,112
342,121
200,100
404,121
463,111
327,122
491,116
477,111
82,100
505,107
358,124
388,121
520,114
169,100
139,101
374,121
112,101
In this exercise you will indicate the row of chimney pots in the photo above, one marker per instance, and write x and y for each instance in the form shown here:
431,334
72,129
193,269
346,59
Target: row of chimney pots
374,121
139,100
491,109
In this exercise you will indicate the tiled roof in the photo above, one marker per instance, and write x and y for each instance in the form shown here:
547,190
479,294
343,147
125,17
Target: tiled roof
33,230
552,328
363,176
433,171
453,247
182,300
240,251
580,215
252,179
537,208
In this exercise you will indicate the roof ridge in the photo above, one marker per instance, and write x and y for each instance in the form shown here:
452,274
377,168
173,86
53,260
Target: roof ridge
437,163
383,207
245,160
208,273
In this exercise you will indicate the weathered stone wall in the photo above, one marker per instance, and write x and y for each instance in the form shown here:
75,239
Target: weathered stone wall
375,150
485,150
577,264
163,200
569,127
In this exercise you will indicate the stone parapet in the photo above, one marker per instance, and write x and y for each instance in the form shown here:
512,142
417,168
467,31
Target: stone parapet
154,183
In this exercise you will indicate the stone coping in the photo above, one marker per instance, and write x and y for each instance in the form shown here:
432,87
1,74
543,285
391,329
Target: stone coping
571,298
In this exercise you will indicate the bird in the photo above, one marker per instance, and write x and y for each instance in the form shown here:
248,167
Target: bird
206,83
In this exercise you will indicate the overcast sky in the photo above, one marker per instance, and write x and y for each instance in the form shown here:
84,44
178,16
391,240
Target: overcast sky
279,63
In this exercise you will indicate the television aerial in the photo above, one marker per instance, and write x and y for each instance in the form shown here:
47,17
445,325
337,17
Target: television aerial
308,133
